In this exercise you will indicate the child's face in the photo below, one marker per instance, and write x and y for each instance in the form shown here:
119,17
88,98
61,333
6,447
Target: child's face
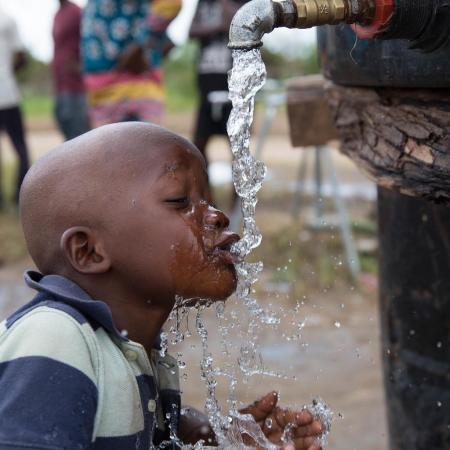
167,239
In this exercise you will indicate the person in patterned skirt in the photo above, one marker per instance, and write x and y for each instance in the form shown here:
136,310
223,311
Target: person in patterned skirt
123,43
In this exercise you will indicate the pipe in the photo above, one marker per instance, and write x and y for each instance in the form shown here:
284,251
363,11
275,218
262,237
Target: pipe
259,17
426,23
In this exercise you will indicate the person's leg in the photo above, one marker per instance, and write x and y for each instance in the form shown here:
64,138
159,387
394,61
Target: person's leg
203,127
221,129
59,115
13,124
79,122
71,114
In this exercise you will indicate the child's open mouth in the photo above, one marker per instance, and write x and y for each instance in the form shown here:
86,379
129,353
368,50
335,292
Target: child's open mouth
223,249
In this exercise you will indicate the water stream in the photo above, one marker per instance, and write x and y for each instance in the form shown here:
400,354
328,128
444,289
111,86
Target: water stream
245,79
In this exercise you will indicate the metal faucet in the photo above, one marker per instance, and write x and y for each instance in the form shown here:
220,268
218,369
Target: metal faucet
258,17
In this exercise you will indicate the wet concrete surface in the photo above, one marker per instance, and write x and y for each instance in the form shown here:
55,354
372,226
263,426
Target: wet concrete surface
337,358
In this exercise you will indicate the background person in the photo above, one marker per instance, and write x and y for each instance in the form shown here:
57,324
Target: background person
70,107
123,44
12,59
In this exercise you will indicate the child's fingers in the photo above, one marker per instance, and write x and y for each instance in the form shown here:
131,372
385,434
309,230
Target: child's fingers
307,443
263,407
285,417
288,447
314,429
303,417
315,447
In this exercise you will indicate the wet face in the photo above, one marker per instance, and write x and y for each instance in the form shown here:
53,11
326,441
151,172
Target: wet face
166,238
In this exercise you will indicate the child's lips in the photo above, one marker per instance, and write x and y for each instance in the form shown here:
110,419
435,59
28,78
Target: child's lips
226,256
223,249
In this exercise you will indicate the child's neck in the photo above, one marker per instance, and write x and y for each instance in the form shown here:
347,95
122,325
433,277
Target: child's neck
141,320
142,323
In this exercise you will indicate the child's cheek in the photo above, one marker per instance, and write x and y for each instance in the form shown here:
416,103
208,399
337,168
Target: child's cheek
186,260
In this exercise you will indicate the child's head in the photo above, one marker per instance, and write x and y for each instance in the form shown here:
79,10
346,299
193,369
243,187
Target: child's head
125,207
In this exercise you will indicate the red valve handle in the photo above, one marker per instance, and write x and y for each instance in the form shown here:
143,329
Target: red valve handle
383,13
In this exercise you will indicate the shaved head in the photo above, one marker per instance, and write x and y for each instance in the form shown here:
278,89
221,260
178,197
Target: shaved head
77,182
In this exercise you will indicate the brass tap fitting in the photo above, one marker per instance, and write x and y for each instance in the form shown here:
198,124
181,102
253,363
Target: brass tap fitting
319,12
312,13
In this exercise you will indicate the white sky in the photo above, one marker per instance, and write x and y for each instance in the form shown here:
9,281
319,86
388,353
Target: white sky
34,19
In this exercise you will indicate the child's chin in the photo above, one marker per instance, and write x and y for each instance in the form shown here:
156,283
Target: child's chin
212,295
197,301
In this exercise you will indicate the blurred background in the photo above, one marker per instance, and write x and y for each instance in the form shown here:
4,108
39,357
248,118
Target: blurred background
319,252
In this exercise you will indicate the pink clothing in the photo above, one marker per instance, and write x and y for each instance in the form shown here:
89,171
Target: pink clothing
66,60
104,79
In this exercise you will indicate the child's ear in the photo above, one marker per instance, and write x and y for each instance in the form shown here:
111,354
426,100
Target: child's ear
84,251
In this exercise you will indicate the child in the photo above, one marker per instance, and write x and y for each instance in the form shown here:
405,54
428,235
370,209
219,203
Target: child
118,223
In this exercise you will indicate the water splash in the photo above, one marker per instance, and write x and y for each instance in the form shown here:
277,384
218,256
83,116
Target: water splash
234,430
245,79
321,411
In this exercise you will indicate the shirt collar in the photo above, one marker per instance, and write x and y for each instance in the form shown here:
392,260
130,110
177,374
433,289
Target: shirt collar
66,291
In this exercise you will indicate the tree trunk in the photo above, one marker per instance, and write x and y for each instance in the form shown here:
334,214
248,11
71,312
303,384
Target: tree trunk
399,137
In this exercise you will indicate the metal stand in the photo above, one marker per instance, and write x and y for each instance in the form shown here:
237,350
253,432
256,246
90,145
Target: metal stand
272,98
322,155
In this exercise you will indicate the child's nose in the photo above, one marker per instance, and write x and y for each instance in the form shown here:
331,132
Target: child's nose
215,218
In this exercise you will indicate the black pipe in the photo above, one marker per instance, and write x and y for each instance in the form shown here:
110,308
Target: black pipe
415,320
424,22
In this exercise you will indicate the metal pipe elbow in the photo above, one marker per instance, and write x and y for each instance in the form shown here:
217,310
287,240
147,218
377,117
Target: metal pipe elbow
258,17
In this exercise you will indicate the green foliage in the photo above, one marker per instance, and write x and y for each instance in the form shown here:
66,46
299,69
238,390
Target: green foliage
37,105
180,77
35,81
281,67
35,78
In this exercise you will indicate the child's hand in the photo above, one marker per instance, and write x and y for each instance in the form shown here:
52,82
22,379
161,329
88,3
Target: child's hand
299,427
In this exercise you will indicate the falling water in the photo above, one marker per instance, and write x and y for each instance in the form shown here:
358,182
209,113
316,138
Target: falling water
245,80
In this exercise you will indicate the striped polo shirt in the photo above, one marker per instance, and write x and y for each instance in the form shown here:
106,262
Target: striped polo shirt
69,379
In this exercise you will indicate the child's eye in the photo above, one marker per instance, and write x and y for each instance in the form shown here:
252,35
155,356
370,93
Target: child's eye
178,201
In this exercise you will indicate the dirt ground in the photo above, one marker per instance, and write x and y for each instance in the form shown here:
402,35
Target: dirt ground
337,357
